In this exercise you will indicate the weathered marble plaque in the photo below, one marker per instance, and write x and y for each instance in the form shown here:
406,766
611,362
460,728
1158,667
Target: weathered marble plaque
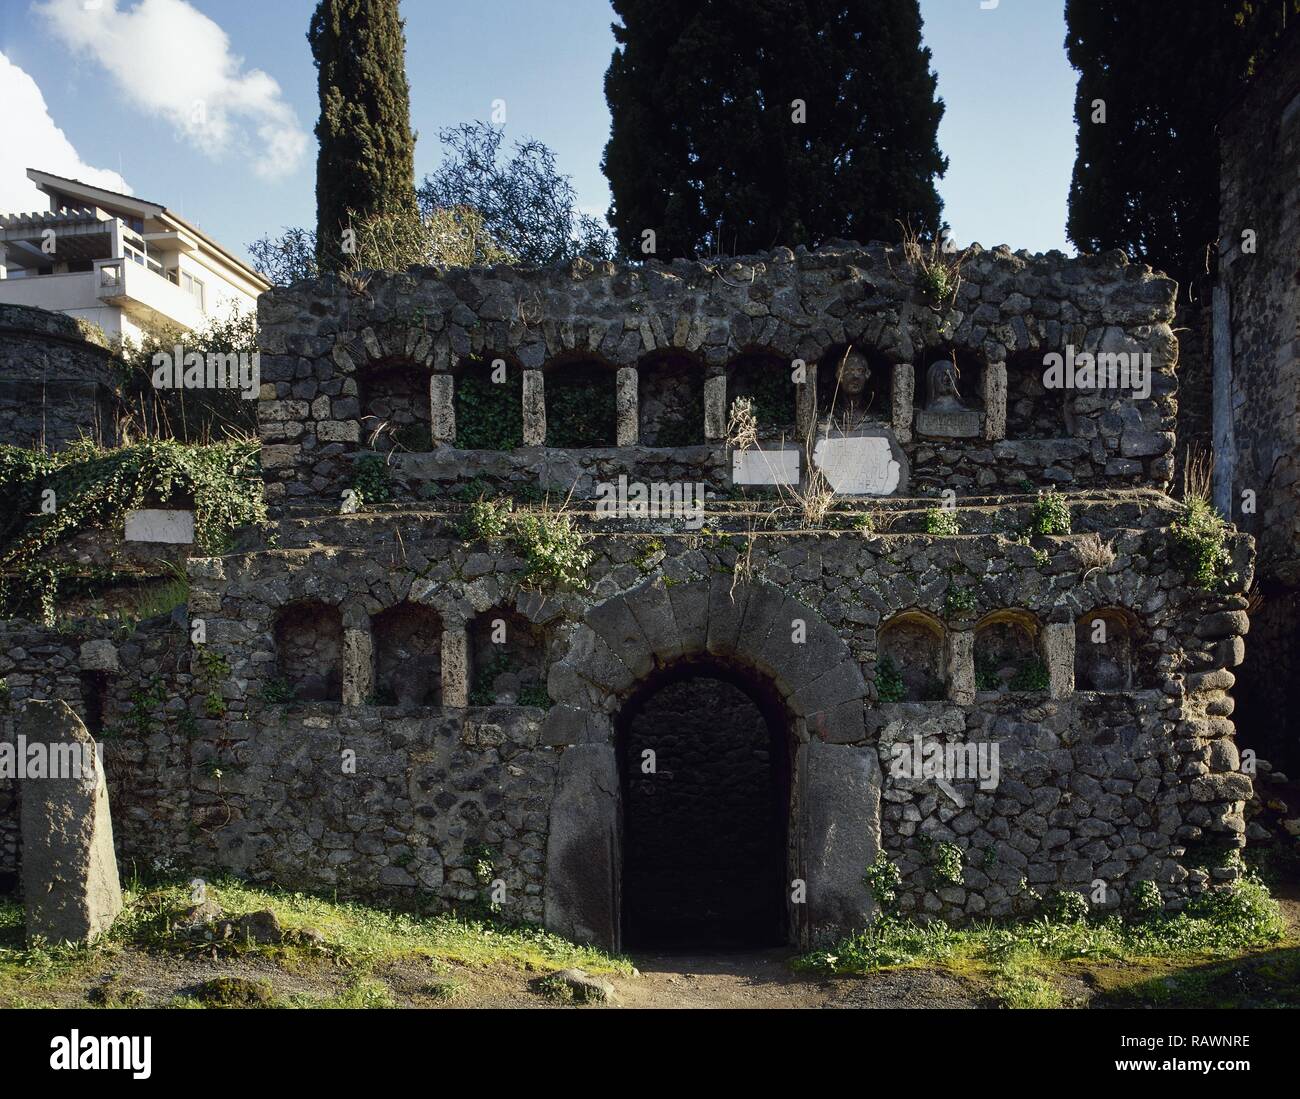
765,467
858,464
158,525
948,425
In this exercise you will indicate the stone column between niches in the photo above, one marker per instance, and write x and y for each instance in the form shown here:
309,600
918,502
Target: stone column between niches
1057,650
805,402
534,408
455,667
358,665
442,409
626,406
995,401
902,399
715,408
959,659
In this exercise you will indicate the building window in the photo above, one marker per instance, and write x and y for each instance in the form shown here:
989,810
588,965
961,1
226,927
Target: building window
193,287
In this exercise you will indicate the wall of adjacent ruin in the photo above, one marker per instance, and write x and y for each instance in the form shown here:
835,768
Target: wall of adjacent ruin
1257,376
57,381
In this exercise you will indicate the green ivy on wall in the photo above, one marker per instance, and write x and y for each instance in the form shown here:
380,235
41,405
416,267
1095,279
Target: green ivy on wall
580,409
489,415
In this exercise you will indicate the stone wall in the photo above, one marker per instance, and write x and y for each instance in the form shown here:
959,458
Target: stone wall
1257,376
414,800
57,381
323,345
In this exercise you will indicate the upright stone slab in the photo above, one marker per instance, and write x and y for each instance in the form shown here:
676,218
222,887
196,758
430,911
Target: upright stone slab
442,409
715,408
839,791
70,883
627,406
534,399
582,850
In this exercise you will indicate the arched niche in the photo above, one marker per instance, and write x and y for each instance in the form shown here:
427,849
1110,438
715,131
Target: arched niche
670,404
581,406
407,644
840,371
1105,642
507,660
910,658
1008,653
1033,410
396,412
765,379
309,650
489,403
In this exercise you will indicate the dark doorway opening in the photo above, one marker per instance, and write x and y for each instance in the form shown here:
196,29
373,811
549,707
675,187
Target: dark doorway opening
705,833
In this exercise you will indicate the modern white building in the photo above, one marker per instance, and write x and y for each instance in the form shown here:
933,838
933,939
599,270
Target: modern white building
121,262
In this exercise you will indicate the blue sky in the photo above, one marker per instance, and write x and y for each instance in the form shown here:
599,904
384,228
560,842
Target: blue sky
120,84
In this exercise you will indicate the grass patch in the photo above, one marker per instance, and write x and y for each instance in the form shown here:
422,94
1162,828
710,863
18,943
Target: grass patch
1021,963
355,936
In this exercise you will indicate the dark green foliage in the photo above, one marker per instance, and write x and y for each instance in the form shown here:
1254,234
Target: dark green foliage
489,415
703,149
94,489
1147,179
1032,675
366,165
580,408
889,681
529,208
370,480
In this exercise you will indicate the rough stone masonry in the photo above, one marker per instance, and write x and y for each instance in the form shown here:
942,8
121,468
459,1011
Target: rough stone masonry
293,749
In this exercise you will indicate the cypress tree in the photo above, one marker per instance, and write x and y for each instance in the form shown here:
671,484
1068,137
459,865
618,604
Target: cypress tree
1146,179
743,124
366,166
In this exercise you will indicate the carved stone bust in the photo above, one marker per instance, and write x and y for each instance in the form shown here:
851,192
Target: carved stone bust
942,392
851,377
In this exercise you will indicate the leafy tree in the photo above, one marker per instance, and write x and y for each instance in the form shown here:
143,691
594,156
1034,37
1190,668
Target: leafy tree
742,124
1146,179
454,237
365,167
528,206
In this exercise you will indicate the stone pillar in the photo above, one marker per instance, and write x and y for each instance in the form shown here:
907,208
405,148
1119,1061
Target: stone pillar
71,889
442,409
838,834
1057,650
534,408
583,848
627,407
358,671
959,660
455,667
715,408
902,398
995,401
805,403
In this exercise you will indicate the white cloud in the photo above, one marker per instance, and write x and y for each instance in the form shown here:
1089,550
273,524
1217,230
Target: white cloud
32,140
172,61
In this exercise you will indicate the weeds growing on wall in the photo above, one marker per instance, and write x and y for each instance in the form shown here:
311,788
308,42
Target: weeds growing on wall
1050,514
1200,537
889,681
942,522
52,497
370,480
553,548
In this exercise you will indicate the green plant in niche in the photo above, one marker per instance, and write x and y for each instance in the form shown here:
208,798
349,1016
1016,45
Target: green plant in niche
883,879
1032,675
489,415
1200,545
535,694
580,409
370,480
942,522
889,681
986,675
278,691
1050,514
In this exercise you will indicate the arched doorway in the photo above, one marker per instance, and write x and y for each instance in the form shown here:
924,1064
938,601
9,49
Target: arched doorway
705,755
